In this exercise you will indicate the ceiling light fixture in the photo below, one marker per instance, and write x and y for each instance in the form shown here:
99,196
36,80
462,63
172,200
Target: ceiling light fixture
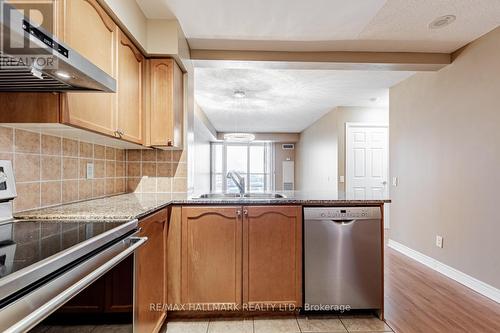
239,137
442,21
239,93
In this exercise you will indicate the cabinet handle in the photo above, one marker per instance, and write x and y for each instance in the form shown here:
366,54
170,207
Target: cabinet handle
119,133
238,212
245,212
170,143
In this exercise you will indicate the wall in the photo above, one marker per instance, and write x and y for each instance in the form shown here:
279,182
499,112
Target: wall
355,114
316,155
157,171
204,133
51,170
281,155
444,143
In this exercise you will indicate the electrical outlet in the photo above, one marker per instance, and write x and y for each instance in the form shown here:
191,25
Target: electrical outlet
90,170
439,241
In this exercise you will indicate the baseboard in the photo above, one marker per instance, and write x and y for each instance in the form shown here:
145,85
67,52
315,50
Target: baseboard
454,274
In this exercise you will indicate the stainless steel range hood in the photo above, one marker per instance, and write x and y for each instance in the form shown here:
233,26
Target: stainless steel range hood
33,60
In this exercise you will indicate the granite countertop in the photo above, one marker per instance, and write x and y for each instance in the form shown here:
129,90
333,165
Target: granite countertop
136,205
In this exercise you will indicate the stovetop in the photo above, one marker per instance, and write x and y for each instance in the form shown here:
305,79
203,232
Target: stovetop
25,243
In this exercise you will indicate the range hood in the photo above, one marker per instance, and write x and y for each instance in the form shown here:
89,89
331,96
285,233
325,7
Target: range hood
33,60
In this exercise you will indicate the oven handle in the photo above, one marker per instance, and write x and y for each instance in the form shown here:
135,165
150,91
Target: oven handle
28,311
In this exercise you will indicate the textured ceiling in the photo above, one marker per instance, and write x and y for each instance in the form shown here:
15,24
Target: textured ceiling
319,25
285,100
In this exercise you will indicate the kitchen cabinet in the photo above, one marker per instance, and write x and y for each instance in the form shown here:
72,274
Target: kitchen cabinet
272,252
211,255
129,99
150,287
166,103
241,255
92,33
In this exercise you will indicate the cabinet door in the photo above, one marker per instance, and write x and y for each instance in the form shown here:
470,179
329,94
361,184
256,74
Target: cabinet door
119,285
211,255
92,33
150,273
130,103
166,103
272,252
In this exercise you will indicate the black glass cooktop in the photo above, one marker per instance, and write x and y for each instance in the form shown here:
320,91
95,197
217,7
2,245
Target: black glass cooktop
25,243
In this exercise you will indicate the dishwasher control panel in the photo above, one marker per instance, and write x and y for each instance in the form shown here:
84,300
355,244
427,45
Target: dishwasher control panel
320,213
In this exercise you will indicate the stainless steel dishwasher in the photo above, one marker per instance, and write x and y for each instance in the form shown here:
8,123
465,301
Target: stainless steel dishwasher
343,258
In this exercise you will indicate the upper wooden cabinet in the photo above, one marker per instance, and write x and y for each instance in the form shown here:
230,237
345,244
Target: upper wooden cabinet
150,270
92,33
272,252
211,255
166,103
130,101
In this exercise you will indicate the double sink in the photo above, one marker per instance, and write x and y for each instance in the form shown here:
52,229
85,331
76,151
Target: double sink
263,196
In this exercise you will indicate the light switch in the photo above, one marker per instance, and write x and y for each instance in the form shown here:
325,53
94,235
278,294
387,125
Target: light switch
395,181
439,241
90,170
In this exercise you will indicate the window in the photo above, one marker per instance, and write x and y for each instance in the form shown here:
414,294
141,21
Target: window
251,160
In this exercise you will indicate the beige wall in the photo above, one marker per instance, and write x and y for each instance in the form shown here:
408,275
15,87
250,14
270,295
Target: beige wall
445,149
351,115
316,156
204,133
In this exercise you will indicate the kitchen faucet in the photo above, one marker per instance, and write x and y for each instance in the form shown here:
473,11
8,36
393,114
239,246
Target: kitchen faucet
238,181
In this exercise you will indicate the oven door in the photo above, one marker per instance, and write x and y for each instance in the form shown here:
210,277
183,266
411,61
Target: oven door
35,305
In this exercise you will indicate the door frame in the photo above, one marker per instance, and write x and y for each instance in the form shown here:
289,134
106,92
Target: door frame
348,126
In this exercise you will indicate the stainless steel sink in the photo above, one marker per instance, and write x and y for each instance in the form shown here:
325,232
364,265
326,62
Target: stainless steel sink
219,196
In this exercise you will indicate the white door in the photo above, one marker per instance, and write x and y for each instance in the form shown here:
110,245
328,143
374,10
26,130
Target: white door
367,160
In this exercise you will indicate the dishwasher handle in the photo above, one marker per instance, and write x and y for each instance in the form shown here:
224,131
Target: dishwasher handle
343,221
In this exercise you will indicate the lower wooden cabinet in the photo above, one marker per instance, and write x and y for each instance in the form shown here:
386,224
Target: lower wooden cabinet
250,255
211,255
150,273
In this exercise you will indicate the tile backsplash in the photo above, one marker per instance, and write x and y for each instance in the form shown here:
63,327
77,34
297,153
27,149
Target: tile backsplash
157,171
51,170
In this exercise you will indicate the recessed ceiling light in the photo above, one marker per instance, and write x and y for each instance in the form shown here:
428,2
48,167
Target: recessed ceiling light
442,21
239,137
63,75
239,93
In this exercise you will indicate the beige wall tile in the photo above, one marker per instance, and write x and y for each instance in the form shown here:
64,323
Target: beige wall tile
179,185
51,193
110,186
27,167
85,189
27,142
69,191
70,168
179,156
99,169
110,169
164,184
98,189
70,147
86,150
6,139
149,169
149,155
164,155
99,152
179,169
120,185
134,184
110,153
83,167
134,155
164,170
51,167
120,155
51,145
148,185
120,169
133,169
28,196
7,156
